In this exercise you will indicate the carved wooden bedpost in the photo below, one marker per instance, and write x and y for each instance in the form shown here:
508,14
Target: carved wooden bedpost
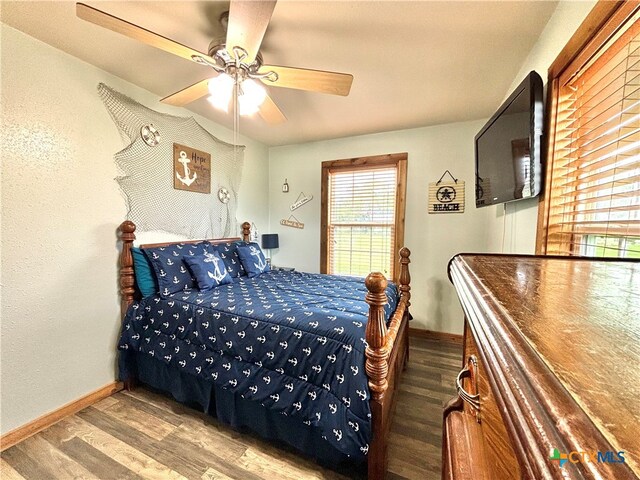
377,368
246,231
405,277
127,280
405,290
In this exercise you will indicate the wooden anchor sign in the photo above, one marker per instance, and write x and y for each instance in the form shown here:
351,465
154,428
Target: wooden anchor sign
295,223
302,199
192,169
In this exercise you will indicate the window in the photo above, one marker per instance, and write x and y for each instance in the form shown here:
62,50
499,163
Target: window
363,215
592,200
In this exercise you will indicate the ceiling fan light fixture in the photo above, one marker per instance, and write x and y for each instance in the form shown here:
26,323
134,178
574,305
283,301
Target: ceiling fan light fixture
247,108
250,96
221,91
247,27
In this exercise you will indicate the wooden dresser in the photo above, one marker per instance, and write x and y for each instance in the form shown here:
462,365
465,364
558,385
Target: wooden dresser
551,369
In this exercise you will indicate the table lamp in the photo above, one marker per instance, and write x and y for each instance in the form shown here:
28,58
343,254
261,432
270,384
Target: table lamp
269,241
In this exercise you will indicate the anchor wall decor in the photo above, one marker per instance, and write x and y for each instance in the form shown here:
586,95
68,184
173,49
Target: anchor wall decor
192,169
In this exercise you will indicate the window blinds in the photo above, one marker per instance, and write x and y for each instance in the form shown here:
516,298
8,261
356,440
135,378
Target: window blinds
594,191
361,221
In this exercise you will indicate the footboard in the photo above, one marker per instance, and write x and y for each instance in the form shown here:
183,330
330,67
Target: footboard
387,353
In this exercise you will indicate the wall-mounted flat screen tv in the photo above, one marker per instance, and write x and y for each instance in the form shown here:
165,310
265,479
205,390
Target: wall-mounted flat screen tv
508,157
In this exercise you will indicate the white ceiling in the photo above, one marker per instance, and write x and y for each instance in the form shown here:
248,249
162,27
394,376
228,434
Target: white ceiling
415,63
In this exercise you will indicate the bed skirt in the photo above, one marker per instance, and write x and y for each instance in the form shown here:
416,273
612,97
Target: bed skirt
231,409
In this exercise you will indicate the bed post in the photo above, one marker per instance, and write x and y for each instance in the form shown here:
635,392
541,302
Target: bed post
246,232
377,368
405,290
405,276
127,280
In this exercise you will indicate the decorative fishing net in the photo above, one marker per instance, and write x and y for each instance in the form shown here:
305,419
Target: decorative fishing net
146,172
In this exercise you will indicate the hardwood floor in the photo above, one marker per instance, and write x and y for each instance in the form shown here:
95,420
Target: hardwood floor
144,435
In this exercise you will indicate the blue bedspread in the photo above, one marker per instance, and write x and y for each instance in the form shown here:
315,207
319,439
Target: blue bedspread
292,341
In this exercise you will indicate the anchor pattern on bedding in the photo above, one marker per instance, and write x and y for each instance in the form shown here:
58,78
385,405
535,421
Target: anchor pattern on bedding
292,341
229,254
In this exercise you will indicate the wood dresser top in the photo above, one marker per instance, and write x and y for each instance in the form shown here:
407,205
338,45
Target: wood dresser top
578,318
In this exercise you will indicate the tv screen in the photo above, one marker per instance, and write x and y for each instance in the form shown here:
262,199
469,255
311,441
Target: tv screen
508,164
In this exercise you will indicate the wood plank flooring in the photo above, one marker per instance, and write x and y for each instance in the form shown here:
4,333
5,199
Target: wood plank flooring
144,435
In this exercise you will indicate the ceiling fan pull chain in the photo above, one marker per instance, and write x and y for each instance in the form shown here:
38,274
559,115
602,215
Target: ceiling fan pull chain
236,118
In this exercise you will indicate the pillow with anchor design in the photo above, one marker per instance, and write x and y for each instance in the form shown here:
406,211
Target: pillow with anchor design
209,270
171,270
229,254
253,259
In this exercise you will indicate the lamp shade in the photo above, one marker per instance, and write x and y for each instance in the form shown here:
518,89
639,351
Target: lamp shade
270,240
221,91
250,97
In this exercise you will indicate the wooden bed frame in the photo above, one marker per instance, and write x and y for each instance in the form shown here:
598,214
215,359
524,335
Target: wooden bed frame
387,352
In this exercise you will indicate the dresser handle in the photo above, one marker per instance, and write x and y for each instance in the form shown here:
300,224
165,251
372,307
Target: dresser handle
472,400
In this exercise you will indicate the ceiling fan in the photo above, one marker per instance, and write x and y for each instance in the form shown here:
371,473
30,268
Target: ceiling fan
237,63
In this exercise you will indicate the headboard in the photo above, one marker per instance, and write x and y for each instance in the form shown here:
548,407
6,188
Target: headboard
126,233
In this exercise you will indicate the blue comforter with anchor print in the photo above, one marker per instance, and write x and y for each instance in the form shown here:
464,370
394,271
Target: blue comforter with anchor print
292,341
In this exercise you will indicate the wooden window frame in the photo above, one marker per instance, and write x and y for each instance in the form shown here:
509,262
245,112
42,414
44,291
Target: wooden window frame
601,23
398,160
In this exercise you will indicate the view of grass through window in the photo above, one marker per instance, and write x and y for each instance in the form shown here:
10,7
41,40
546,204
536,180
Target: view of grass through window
362,208
615,247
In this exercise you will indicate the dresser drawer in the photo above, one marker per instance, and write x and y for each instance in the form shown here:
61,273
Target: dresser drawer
500,457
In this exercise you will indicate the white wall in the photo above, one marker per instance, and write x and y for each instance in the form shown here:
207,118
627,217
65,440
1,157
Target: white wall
508,228
432,238
512,227
60,210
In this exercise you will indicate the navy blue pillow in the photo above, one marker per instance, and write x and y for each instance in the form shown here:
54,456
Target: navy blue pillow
229,254
209,270
252,259
171,271
145,278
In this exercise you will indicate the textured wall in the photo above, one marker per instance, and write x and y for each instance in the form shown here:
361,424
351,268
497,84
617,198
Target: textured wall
60,210
433,239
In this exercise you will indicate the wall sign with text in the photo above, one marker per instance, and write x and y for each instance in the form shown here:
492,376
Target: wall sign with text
292,222
191,169
302,199
446,197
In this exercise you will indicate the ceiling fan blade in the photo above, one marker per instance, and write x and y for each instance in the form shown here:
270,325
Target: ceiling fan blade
248,21
270,112
312,80
130,30
188,94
